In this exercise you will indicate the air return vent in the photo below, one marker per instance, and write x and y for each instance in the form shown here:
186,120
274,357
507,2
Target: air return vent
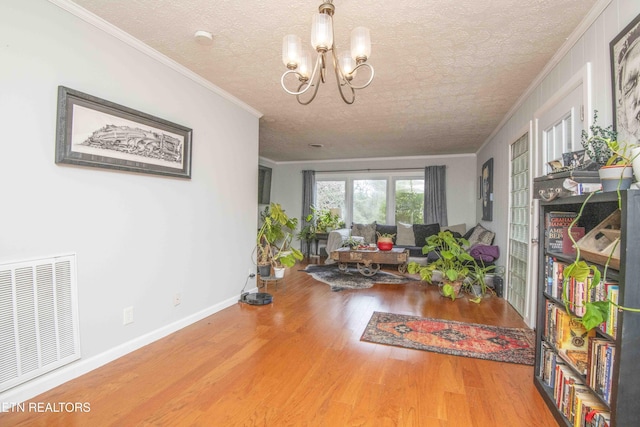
38,318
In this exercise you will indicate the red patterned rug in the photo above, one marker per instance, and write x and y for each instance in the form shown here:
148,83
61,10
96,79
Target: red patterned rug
513,345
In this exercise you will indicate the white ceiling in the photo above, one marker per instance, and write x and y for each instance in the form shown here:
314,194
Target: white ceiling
446,71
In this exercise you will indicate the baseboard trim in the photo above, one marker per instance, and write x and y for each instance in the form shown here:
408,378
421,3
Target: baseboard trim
39,385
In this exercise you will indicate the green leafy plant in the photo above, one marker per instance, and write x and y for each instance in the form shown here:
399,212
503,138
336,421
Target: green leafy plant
274,238
596,142
602,145
386,235
596,312
453,262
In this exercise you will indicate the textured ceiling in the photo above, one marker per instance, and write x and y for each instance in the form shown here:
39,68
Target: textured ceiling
446,71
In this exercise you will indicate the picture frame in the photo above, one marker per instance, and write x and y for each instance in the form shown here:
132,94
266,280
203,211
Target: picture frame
625,64
487,190
98,133
573,159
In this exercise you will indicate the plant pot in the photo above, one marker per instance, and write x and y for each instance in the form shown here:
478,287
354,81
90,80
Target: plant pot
385,246
278,272
264,270
436,276
635,155
615,177
457,288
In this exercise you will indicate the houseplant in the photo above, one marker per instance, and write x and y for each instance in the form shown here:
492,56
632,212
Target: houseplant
595,312
385,241
614,158
453,262
319,221
274,238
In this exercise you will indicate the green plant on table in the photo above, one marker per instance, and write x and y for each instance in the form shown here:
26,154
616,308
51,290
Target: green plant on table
602,145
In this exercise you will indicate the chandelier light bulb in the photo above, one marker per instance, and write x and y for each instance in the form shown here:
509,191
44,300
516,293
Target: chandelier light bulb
291,51
360,44
347,64
322,32
304,70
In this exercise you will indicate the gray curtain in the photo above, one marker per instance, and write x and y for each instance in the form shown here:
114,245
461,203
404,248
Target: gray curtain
308,199
435,195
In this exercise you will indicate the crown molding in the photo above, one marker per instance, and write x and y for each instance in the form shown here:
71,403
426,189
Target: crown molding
127,38
367,159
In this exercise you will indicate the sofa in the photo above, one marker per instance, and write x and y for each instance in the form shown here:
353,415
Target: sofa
413,237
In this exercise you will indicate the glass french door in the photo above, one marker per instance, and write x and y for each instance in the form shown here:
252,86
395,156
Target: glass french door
519,226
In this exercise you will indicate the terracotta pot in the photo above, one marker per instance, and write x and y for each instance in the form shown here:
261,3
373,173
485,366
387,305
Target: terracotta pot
457,287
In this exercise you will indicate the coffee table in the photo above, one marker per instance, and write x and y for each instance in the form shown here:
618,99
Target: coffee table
368,261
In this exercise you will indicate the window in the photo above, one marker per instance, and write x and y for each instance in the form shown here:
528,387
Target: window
370,201
364,198
331,194
409,198
558,139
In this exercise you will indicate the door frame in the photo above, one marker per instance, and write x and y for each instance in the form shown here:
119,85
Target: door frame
582,77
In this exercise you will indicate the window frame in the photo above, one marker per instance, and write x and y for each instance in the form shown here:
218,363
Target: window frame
349,177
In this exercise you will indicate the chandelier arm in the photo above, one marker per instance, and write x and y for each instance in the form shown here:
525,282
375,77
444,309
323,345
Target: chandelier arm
342,81
364,64
315,92
319,64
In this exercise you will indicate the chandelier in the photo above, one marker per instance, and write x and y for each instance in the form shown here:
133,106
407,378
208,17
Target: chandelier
345,65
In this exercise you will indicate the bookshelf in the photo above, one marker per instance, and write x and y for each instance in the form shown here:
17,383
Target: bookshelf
607,376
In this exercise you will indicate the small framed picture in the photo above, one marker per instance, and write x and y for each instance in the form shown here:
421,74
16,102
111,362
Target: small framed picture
573,159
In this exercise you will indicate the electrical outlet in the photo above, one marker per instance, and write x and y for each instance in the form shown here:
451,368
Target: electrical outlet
177,299
127,316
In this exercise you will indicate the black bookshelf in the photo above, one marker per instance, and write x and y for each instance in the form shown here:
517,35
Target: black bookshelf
625,380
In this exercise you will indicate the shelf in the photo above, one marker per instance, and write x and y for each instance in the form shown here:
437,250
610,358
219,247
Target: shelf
615,356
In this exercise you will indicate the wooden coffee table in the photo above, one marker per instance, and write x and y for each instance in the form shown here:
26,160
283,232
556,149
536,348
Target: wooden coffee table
368,262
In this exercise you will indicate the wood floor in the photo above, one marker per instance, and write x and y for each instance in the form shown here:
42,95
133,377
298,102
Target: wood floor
300,362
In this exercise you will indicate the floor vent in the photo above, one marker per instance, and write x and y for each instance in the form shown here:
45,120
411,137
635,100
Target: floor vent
38,318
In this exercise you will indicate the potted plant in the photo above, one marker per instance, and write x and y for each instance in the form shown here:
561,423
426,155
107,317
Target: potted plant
285,256
385,241
453,262
274,238
326,220
615,158
476,282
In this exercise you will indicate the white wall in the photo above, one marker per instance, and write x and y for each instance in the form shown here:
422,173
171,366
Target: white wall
461,180
592,46
139,238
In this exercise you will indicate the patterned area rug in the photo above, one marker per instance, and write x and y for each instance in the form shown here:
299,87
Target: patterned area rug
513,345
351,279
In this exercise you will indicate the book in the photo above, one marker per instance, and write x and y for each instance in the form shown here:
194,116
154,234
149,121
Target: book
567,245
555,222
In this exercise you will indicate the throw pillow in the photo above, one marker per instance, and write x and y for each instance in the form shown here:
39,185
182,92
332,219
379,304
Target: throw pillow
387,229
458,228
422,231
366,231
405,236
481,235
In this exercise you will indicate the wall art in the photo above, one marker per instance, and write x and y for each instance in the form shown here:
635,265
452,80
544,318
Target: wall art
99,133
